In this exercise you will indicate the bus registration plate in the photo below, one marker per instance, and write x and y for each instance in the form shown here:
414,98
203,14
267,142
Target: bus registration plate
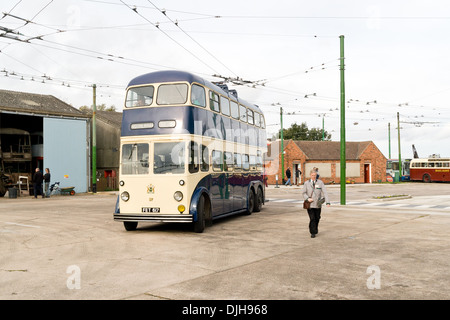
148,209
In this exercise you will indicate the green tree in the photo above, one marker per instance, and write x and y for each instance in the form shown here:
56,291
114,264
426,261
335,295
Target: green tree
302,132
101,107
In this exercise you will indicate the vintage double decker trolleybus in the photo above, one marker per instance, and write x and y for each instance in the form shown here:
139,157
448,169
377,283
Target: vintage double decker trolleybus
190,152
430,169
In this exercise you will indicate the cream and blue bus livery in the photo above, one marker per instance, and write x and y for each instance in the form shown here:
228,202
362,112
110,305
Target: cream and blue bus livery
190,151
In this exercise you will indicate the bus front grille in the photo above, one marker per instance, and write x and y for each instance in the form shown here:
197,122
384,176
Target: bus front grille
186,218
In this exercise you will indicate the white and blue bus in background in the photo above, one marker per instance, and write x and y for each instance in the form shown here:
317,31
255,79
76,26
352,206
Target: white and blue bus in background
392,170
190,152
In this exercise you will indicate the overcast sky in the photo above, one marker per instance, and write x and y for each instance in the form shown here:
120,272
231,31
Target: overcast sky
396,58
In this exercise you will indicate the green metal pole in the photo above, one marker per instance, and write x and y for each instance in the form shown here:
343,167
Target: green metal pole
94,144
343,158
282,146
399,152
389,135
323,128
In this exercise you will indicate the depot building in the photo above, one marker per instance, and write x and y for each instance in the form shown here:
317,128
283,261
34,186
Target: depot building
42,131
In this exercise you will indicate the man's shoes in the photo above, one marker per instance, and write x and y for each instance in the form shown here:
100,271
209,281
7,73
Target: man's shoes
313,235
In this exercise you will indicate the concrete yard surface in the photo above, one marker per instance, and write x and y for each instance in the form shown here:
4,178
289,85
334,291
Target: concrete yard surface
69,247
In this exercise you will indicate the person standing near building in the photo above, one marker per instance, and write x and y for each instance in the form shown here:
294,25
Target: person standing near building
47,183
298,174
288,176
314,191
37,183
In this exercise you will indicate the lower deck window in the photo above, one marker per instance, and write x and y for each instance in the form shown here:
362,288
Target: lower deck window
135,158
169,157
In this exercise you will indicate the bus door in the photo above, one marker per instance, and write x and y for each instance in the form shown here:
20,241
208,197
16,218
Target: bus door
228,181
246,177
237,185
217,183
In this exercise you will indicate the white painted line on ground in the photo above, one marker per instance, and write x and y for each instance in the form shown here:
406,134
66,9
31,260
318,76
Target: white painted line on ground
22,225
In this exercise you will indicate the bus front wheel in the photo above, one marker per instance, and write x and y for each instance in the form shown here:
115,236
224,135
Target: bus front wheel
130,225
199,225
426,178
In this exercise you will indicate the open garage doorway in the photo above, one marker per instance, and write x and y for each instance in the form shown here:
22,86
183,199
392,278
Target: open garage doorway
20,150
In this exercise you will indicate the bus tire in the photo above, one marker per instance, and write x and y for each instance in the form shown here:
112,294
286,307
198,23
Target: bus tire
251,202
199,225
258,201
130,225
426,178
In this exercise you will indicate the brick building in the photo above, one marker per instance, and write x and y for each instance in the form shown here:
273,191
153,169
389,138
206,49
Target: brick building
365,162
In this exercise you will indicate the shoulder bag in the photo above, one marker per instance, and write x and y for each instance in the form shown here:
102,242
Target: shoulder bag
306,204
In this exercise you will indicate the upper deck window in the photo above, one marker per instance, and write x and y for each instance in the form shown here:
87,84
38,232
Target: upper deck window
172,94
250,116
257,119
242,113
198,96
234,110
214,103
225,104
139,97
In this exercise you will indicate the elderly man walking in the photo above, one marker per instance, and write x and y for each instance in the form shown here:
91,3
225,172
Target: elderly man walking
314,191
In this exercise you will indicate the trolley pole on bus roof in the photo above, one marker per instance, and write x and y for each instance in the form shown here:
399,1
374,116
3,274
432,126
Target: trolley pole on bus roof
399,152
343,158
94,143
282,147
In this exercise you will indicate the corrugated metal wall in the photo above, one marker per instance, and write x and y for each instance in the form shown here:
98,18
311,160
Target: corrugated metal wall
65,152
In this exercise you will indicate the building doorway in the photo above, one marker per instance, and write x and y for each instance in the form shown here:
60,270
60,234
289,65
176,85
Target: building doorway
297,174
367,173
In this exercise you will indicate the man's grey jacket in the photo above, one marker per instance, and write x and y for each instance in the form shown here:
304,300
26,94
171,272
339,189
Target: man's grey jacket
316,190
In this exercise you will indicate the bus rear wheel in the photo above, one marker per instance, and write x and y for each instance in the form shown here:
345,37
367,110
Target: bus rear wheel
251,202
130,225
426,178
258,201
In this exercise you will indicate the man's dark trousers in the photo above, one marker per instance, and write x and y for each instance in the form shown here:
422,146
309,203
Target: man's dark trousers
37,187
314,218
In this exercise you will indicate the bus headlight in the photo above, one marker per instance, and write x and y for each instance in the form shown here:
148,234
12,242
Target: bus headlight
125,196
178,196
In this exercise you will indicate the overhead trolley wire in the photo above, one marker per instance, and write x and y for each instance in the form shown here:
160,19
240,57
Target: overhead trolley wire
27,21
48,79
201,46
167,35
4,15
83,51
